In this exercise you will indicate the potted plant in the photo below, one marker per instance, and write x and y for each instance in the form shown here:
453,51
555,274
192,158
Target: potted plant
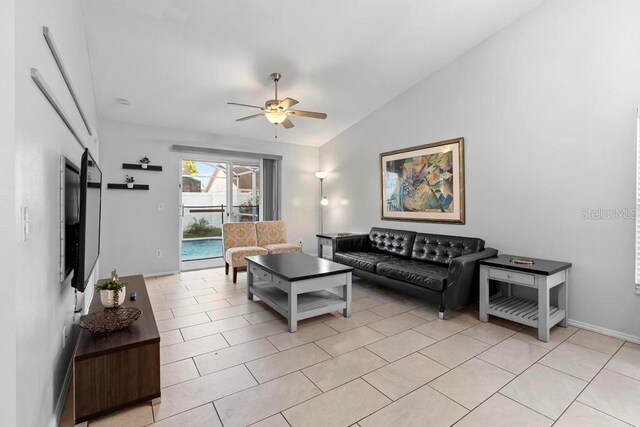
145,162
130,180
112,293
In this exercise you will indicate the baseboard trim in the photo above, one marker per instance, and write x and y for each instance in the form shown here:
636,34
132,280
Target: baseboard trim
604,331
63,395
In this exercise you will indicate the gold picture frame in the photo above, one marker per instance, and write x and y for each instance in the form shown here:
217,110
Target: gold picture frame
424,183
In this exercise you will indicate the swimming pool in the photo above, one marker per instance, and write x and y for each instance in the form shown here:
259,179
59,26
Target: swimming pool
208,247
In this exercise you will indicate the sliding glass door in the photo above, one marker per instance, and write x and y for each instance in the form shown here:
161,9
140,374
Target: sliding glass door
212,193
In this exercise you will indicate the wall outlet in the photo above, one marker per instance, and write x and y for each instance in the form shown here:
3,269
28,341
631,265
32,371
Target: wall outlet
64,336
158,253
160,207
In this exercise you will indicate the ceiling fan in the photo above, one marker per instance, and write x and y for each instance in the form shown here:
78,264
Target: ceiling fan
278,111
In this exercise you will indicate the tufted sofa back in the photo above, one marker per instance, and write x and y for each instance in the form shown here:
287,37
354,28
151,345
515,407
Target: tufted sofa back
397,242
440,249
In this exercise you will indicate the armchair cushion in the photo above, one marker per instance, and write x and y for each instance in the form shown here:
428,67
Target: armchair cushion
363,260
281,248
271,232
235,256
420,273
239,234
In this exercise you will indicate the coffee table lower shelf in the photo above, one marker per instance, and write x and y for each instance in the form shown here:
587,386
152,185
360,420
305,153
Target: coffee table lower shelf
522,310
310,304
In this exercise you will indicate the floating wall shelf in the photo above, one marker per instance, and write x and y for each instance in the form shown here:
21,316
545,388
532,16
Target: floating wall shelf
124,187
139,166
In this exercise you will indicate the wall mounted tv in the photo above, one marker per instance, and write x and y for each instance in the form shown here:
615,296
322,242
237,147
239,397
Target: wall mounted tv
71,214
89,226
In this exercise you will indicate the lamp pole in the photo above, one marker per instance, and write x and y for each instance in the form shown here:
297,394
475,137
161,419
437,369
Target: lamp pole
321,207
323,200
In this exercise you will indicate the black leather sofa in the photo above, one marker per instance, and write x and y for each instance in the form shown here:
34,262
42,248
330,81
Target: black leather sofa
441,269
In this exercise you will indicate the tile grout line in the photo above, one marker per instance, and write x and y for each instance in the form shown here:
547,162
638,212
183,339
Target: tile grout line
449,369
423,385
588,384
525,406
496,392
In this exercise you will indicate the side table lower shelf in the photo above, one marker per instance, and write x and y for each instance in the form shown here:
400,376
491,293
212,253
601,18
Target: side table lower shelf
522,310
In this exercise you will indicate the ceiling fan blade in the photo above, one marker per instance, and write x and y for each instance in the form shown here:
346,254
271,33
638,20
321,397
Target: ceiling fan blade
245,105
288,124
287,103
311,114
249,117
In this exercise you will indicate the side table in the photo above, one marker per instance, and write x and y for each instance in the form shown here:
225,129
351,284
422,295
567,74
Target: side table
330,239
542,275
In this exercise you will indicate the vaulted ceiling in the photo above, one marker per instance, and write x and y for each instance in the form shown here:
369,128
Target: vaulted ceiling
179,62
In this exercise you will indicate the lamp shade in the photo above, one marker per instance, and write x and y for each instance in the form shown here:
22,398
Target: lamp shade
324,201
321,175
276,117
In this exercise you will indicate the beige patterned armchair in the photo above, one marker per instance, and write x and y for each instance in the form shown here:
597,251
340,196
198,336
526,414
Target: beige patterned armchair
240,240
272,235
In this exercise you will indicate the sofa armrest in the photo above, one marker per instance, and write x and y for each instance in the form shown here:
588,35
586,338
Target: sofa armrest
357,243
462,278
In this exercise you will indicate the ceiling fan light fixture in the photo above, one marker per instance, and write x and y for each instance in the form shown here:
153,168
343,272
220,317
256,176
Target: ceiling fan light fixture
276,117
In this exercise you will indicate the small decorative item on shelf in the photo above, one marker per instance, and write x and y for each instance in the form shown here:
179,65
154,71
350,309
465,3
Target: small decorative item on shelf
144,162
130,180
111,320
522,261
112,293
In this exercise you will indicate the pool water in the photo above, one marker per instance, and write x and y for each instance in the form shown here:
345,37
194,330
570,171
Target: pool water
201,248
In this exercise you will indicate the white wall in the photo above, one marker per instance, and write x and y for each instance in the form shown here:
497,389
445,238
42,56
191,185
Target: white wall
44,306
133,227
547,108
7,213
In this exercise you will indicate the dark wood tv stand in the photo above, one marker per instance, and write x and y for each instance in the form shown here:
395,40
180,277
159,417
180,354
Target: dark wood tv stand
121,369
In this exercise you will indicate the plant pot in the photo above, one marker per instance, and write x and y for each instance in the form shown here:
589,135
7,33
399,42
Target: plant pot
106,298
144,165
129,184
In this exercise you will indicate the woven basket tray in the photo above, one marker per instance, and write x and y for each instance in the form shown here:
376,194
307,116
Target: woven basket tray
110,319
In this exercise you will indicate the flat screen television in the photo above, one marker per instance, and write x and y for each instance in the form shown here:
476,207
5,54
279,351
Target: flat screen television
71,216
89,228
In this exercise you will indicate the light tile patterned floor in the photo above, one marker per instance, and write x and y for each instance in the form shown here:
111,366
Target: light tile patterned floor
230,361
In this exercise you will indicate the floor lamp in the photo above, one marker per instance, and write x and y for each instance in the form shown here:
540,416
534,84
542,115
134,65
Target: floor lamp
323,200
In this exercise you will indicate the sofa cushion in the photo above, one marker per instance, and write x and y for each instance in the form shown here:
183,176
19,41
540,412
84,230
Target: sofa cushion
235,256
442,249
271,232
420,273
283,248
363,260
235,234
397,242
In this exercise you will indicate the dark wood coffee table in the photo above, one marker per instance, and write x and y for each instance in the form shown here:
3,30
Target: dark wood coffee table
299,286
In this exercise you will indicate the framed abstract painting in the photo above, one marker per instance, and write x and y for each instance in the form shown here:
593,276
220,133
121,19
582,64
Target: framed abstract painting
424,183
